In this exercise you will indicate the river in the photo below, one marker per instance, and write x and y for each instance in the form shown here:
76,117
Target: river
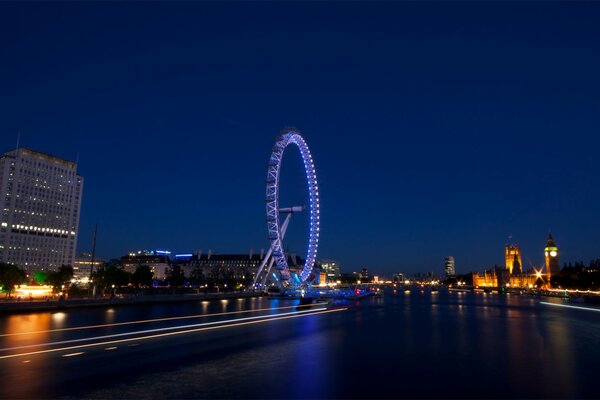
403,344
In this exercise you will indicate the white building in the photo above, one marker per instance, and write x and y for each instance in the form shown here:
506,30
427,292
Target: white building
449,267
41,201
159,262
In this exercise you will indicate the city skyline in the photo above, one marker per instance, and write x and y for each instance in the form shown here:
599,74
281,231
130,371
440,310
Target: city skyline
450,148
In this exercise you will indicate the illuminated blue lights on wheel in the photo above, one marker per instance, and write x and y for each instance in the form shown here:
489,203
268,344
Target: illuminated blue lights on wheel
292,136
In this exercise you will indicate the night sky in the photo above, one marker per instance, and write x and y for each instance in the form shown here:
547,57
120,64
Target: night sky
436,128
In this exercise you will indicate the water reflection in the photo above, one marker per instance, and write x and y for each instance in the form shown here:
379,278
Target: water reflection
470,345
24,325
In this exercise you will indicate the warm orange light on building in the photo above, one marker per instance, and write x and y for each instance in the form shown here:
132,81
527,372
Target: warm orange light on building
35,292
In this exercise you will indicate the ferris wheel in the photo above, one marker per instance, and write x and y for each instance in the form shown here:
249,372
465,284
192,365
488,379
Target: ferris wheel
275,257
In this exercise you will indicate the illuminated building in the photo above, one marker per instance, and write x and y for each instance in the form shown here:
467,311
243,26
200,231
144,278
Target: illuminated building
41,202
237,266
82,267
33,291
449,267
501,277
364,275
323,277
514,263
159,262
551,255
398,278
332,269
512,275
220,267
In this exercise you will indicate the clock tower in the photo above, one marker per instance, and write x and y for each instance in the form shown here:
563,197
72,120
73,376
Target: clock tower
551,254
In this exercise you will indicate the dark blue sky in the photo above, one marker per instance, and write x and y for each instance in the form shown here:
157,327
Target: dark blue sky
437,128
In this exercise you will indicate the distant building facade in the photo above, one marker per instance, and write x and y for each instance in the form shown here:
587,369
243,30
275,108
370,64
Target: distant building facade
331,269
449,267
239,268
159,262
513,274
82,266
41,203
399,278
218,267
514,263
424,277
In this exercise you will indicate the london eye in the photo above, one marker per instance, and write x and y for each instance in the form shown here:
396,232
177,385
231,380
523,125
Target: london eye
277,266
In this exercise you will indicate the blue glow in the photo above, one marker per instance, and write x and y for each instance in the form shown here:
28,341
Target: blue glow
162,252
183,255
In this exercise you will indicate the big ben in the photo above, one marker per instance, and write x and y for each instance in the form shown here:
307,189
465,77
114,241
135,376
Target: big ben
551,253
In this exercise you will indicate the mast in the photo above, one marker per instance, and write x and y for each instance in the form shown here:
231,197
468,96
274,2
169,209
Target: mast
93,251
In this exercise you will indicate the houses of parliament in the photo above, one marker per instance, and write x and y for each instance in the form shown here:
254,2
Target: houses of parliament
514,275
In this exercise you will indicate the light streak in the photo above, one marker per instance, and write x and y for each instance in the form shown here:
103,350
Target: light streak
147,321
82,346
169,328
73,354
567,306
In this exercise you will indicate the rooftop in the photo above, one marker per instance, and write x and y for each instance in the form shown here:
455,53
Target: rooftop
41,155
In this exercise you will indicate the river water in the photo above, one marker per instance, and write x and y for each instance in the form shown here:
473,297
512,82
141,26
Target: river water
402,345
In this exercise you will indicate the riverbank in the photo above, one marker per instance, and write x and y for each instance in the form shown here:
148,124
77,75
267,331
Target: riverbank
53,305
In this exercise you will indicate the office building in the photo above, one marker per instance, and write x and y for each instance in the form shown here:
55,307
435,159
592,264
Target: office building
83,266
449,267
331,269
41,203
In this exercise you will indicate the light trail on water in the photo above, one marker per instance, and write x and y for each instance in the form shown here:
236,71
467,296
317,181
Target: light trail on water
224,325
147,321
170,328
567,306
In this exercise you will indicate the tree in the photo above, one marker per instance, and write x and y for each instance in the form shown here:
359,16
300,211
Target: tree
176,277
10,276
40,277
111,274
60,278
142,276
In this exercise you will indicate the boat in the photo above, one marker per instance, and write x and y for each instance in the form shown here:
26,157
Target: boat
306,300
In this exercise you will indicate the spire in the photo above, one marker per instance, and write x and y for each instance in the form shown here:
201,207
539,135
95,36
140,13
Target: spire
550,241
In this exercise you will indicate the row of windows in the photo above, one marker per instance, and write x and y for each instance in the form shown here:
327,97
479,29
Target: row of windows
36,241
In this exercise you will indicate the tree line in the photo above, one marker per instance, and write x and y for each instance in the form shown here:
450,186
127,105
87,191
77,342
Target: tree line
111,275
579,276
12,276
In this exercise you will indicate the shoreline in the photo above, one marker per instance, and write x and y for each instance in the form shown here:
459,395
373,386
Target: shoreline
25,306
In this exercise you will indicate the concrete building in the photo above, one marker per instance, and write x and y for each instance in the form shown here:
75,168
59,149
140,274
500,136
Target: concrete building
82,267
449,267
41,203
240,268
218,267
159,262
331,269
